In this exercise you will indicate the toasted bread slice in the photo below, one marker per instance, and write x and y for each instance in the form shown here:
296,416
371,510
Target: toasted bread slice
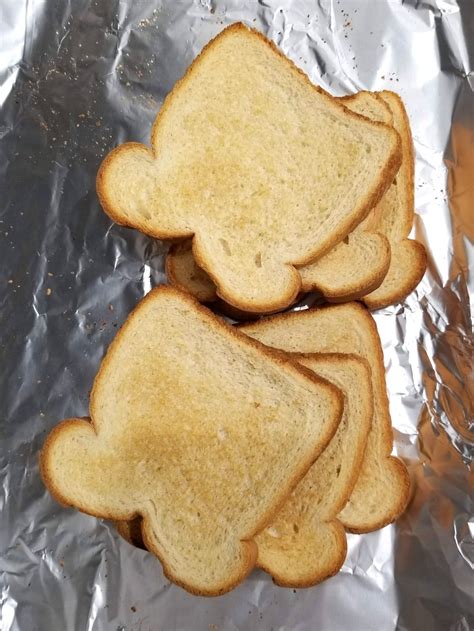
199,430
338,280
382,489
358,264
183,272
368,253
408,261
353,268
337,275
263,169
306,542
361,265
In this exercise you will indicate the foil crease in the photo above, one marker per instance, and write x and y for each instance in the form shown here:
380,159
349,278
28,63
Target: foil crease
76,79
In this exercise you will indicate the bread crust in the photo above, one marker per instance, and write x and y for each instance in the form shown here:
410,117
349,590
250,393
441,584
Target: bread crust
345,226
131,531
248,545
347,98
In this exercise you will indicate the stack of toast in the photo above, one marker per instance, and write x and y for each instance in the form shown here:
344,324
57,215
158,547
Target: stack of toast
221,447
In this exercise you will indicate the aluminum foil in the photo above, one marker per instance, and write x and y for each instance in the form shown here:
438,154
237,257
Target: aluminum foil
77,78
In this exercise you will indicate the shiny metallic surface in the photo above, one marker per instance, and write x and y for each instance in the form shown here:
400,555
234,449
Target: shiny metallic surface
77,78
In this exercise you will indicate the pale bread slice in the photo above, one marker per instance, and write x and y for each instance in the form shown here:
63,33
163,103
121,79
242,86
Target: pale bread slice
199,430
306,542
382,489
408,262
263,169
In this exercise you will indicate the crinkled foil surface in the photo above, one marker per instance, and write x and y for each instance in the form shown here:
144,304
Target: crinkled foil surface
77,77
